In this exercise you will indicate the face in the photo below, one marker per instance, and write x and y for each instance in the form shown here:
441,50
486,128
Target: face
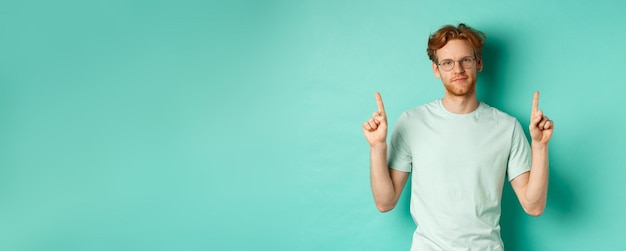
458,81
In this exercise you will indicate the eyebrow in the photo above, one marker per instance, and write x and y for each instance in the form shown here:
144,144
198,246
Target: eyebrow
459,58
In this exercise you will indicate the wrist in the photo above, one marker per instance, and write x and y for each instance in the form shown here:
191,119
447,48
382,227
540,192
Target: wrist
536,145
379,146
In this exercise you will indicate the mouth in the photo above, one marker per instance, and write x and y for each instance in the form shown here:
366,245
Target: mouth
459,79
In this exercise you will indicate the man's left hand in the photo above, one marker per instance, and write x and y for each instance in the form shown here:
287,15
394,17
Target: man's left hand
540,126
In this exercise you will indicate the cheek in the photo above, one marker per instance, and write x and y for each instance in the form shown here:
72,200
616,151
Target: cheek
444,77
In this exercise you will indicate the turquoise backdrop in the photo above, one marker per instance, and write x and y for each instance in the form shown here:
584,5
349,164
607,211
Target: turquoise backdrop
236,125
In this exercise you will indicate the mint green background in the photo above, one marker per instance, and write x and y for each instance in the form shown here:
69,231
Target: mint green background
235,125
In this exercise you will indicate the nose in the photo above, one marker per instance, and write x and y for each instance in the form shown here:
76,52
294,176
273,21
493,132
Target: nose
458,68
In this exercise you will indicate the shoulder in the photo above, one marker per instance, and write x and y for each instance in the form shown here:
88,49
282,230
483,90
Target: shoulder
421,111
499,119
415,116
497,115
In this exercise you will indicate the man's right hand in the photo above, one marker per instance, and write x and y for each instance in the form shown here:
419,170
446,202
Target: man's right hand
375,129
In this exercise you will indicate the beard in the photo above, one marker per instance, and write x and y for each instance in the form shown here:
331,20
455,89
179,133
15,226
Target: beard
460,89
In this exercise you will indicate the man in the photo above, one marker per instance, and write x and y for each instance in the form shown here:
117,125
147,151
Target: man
460,150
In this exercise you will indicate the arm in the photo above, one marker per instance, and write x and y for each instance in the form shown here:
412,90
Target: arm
387,184
531,187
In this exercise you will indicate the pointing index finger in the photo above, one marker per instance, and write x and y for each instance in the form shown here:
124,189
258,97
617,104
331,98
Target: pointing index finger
535,103
379,101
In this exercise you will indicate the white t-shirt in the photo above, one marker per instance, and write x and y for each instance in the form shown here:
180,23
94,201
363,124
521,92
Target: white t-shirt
459,163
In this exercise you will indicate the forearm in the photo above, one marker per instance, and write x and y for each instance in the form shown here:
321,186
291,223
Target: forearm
537,188
380,178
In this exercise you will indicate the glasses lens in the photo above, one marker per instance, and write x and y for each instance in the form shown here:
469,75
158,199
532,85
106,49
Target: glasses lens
467,62
447,65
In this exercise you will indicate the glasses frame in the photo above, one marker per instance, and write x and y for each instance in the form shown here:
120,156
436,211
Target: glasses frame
473,63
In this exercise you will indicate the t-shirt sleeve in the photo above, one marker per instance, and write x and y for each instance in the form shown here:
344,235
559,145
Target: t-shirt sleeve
519,157
399,153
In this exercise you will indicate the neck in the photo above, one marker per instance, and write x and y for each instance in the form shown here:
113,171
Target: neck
460,104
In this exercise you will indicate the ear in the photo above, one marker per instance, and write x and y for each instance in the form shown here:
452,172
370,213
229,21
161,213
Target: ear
436,71
479,65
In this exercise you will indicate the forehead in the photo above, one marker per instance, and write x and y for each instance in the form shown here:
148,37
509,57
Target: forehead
455,49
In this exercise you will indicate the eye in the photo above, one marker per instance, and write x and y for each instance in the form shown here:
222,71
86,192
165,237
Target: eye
446,63
467,60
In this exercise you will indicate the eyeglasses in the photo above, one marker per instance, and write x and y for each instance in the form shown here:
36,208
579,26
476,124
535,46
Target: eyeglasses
448,64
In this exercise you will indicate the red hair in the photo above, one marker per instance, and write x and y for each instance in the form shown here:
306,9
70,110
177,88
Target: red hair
440,38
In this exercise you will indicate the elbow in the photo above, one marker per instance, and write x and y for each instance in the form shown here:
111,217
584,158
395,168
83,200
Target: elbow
535,211
384,207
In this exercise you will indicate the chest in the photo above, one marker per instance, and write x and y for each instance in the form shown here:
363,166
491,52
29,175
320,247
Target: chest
455,147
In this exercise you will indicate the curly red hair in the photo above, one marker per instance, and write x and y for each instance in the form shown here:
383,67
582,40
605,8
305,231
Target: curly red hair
440,38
